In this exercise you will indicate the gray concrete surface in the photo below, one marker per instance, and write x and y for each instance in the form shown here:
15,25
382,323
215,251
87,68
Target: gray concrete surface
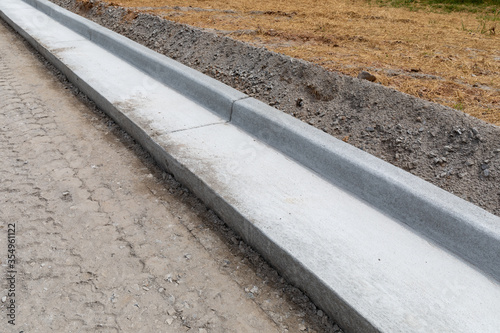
211,93
461,227
356,259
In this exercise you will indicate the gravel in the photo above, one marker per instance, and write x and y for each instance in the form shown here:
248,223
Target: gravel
441,145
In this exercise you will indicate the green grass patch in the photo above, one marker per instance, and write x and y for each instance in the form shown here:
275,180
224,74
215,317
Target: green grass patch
459,106
490,9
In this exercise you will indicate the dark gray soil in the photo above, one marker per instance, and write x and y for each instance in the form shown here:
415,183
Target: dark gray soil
448,148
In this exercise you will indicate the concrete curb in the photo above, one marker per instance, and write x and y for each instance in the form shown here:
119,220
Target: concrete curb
466,230
209,92
456,224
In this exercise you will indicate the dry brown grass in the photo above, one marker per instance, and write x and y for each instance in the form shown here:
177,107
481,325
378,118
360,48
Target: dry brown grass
448,58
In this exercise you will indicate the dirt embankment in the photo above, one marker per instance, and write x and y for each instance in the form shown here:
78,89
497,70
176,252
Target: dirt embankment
448,148
448,58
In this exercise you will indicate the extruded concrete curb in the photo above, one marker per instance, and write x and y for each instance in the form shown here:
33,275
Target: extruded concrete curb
466,230
452,222
456,224
209,92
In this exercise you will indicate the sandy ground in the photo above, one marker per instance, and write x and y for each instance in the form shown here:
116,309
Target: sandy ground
107,242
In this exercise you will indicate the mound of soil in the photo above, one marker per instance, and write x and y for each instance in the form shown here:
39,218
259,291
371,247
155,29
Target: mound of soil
447,148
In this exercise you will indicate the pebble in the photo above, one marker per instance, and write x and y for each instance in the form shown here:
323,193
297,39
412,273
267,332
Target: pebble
486,172
367,76
439,160
4,299
370,129
484,166
302,327
202,330
170,321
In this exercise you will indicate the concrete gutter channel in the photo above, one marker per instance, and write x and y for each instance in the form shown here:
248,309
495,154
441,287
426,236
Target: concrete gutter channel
375,247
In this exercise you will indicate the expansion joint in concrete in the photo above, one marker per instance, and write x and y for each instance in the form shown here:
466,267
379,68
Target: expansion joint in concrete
232,106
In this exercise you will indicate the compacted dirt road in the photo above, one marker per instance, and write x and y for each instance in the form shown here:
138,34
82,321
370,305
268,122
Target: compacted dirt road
104,240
